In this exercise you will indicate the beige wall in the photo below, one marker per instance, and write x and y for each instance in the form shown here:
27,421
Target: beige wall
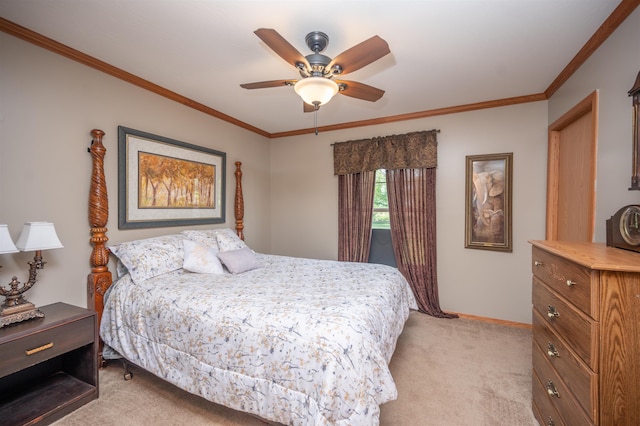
612,71
48,106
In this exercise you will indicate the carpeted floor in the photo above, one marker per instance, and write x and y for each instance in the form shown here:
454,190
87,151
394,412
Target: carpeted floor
456,372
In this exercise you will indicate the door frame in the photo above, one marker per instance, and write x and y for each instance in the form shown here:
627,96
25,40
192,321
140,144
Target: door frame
586,106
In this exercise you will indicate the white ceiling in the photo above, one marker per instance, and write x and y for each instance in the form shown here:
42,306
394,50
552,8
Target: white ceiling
443,52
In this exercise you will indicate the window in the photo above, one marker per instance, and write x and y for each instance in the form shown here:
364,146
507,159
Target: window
380,202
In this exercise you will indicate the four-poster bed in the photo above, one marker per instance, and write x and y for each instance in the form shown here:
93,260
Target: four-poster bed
291,340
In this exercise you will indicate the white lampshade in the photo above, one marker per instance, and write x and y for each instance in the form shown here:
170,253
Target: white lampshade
6,243
316,89
38,236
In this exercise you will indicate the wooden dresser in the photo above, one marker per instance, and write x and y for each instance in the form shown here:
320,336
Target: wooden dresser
586,334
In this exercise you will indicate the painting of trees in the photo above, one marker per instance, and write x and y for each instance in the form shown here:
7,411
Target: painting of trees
167,182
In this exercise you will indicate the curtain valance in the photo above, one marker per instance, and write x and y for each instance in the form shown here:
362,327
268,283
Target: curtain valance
409,151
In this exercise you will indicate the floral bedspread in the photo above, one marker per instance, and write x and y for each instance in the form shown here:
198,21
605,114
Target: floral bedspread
296,341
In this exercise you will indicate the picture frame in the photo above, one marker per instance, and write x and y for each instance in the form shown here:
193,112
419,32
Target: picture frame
488,205
165,182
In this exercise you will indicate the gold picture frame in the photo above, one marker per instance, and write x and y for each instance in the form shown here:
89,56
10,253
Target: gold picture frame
165,182
488,207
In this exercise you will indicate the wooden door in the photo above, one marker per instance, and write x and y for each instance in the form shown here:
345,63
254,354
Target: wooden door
571,173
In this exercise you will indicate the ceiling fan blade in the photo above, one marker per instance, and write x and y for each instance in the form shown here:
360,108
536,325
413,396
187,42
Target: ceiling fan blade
360,90
361,55
282,47
270,83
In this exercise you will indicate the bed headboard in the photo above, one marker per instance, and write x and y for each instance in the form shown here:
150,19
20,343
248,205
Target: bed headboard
100,277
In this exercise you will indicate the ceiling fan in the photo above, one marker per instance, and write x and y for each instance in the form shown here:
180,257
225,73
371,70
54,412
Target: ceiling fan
317,85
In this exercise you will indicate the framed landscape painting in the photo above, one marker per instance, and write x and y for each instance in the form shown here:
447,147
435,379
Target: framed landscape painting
488,202
165,182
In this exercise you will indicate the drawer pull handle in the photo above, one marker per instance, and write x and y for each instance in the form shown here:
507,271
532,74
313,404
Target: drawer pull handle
39,349
552,351
552,312
537,263
571,283
551,389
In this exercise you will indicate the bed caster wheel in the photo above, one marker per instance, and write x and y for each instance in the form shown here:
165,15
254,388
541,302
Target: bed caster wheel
128,374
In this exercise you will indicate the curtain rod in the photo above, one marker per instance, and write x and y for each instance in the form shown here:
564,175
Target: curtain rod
436,130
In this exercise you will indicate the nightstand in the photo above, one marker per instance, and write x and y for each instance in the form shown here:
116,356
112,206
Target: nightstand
48,366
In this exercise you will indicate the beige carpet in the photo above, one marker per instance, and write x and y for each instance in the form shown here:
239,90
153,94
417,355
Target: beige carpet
457,372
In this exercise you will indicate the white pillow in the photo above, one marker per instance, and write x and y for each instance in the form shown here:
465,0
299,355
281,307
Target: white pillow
239,261
121,270
206,236
229,240
149,257
201,259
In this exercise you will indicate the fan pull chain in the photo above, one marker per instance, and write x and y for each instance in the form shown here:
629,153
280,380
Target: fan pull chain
315,116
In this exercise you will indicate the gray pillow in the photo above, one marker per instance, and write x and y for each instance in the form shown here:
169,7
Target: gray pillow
239,261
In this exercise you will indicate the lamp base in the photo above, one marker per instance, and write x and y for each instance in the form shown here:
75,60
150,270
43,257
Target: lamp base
17,313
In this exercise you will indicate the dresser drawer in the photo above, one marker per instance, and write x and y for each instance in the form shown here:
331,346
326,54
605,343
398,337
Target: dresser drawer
582,382
578,330
46,344
543,408
557,393
574,282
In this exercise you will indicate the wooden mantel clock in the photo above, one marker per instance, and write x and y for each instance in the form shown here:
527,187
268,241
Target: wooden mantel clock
635,94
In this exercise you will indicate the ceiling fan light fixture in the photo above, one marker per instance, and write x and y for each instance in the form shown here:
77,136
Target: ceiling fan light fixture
316,90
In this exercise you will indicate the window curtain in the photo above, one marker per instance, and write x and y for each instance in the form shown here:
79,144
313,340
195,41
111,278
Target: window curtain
412,212
408,151
410,161
355,213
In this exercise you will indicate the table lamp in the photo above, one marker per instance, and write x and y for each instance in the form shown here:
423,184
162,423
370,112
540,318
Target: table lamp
35,236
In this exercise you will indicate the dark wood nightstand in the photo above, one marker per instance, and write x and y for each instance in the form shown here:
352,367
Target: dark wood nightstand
48,366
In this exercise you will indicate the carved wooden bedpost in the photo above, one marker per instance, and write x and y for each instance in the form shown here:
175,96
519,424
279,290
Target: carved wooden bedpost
239,204
100,277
